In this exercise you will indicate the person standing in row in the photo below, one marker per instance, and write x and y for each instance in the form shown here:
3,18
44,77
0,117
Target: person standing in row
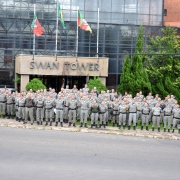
94,114
102,114
145,116
115,107
72,105
167,112
39,112
29,105
3,103
123,108
59,104
176,117
10,105
21,108
156,112
48,110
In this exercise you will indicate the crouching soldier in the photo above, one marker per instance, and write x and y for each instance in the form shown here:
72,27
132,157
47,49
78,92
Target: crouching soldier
72,111
59,104
48,110
102,114
94,114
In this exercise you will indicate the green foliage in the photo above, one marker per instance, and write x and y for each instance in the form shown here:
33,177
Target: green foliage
96,82
18,79
35,84
162,67
134,76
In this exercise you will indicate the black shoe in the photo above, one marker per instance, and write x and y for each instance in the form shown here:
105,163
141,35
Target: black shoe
31,124
104,126
96,126
158,129
164,129
61,124
106,123
19,119
91,126
178,131
46,123
50,123
129,128
168,130
141,127
69,124
147,128
8,117
152,128
56,123
81,125
24,122
134,128
100,126
113,124
173,131
41,123
38,123
74,125
85,125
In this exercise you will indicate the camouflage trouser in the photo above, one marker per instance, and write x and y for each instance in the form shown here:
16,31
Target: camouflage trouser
39,114
115,117
132,118
122,119
145,119
102,118
10,109
21,113
72,116
84,115
94,118
29,113
167,120
156,120
48,115
3,108
59,115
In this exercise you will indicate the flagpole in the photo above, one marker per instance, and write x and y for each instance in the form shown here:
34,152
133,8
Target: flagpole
77,35
98,35
34,34
56,30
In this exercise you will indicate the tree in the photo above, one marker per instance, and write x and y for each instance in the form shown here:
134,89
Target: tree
96,82
136,74
35,84
162,67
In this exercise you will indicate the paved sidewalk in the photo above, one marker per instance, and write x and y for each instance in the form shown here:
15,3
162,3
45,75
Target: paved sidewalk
107,130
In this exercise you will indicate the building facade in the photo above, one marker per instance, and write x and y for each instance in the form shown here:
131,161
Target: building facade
118,29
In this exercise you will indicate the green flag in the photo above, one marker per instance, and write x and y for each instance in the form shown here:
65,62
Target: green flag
60,15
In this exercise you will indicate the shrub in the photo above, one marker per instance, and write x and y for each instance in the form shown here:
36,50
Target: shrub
35,84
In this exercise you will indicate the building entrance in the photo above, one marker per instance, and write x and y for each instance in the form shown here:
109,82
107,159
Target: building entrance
57,82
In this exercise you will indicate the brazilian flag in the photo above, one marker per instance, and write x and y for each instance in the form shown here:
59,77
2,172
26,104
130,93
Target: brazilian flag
60,15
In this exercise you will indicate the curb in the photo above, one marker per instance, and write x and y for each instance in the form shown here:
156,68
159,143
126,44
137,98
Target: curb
137,133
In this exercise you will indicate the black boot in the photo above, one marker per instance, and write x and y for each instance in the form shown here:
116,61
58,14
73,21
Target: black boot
168,130
152,128
141,127
8,117
173,131
129,128
96,126
81,125
91,125
85,125
104,125
46,123
113,124
134,128
147,128
56,123
38,123
119,126
99,125
41,122
164,129
179,131
74,125
158,129
19,119
69,124
61,123
50,123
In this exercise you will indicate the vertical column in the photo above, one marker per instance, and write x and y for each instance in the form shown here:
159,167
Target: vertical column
103,80
24,81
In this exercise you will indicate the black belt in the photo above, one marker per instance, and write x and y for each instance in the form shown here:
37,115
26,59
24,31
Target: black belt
72,109
102,112
48,108
30,107
2,101
66,106
10,104
145,114
132,112
176,118
167,115
40,107
21,106
122,112
115,110
94,112
156,115
58,109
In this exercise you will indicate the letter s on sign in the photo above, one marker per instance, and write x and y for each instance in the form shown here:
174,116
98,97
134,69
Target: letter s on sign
31,65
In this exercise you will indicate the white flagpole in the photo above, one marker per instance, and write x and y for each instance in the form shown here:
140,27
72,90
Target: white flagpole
34,34
56,31
77,35
98,35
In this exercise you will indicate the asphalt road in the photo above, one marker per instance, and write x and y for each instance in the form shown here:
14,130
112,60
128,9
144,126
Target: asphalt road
38,154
